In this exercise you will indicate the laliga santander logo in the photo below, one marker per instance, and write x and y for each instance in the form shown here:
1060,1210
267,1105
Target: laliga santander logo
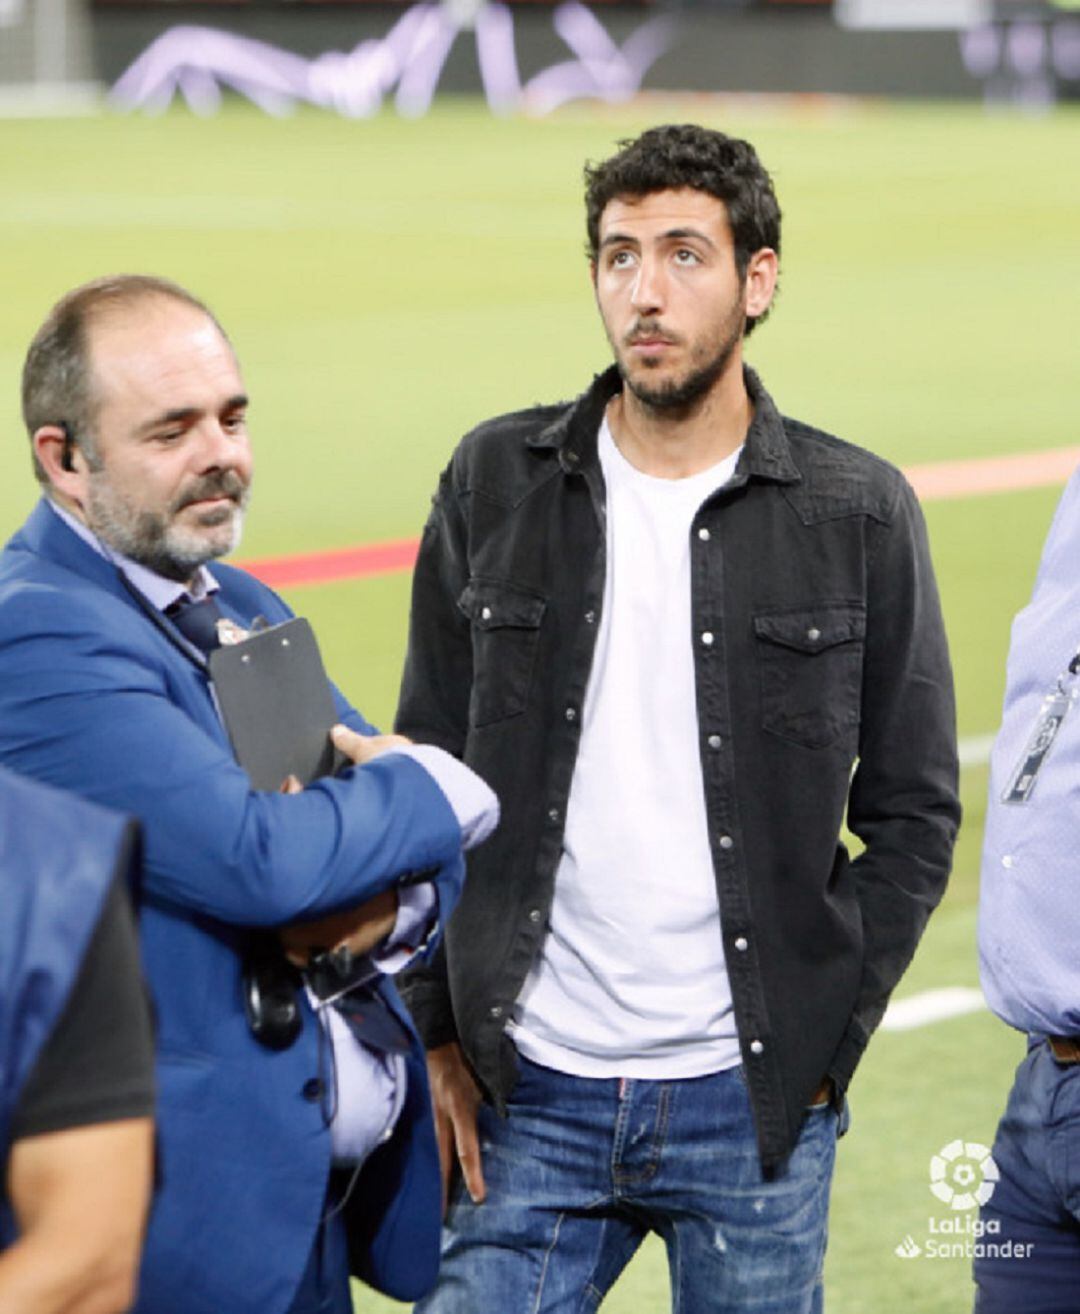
963,1174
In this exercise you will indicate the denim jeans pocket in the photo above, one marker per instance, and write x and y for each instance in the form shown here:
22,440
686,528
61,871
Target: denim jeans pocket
810,662
505,637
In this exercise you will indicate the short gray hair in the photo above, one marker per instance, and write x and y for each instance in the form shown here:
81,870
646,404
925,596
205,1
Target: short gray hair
57,387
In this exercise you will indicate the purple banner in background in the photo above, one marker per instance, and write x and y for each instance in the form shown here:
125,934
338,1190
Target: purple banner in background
197,62
1025,62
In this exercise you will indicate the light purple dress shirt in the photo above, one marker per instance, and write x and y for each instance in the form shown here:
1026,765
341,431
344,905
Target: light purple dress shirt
1029,908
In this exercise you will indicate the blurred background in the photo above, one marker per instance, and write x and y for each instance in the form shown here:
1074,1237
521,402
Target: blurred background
382,202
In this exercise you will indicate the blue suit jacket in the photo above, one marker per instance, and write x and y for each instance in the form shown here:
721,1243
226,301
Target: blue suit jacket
94,698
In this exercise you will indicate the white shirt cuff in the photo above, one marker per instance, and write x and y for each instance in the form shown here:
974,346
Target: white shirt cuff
416,916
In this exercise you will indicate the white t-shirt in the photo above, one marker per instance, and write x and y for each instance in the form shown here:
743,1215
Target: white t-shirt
632,979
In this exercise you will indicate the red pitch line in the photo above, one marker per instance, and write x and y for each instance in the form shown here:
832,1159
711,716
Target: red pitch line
935,481
341,563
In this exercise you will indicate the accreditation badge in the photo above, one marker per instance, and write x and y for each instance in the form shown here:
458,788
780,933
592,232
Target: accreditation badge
1052,713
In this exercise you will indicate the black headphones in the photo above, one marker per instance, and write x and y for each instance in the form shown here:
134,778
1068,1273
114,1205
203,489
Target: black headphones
271,993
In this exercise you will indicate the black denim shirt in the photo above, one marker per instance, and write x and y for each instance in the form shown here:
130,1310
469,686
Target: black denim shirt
818,647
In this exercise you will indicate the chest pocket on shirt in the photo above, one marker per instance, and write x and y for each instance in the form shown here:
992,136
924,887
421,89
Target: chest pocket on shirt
505,635
811,671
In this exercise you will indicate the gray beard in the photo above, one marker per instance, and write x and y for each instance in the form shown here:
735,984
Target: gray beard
153,540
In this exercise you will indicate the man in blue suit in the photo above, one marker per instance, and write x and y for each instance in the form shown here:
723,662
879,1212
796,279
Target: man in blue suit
284,1158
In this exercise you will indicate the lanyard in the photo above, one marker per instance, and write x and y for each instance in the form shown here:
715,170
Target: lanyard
1052,713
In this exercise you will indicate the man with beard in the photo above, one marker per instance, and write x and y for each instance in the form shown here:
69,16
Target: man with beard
295,1137
666,623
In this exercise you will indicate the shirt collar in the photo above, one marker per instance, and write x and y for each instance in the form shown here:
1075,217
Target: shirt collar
156,589
765,453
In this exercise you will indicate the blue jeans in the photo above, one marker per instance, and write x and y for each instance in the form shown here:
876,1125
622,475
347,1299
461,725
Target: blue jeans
583,1169
1036,1201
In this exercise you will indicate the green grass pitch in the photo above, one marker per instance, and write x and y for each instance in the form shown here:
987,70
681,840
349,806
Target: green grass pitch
388,283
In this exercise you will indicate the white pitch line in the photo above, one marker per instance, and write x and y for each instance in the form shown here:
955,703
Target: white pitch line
975,750
932,1006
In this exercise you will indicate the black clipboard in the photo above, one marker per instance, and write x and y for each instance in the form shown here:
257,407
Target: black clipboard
277,705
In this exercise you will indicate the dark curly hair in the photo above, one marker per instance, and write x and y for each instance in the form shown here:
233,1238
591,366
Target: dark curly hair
677,155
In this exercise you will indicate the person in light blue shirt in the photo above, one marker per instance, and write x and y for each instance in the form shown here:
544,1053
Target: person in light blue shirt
1029,943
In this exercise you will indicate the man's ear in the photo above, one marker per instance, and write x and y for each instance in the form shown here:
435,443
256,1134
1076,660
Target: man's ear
63,462
761,273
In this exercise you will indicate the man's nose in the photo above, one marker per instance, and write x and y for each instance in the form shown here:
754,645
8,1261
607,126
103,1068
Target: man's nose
221,448
647,292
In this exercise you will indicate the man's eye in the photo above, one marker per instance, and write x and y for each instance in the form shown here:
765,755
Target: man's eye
234,423
167,436
684,256
621,259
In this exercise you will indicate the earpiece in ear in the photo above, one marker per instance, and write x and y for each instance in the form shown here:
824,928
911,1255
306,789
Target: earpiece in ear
67,455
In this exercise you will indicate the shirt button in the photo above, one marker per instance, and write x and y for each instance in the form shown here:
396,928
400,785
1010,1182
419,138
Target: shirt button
485,613
704,534
742,944
726,842
813,634
534,914
756,1047
496,1010
707,638
312,1090
715,742
553,814
590,618
1008,860
571,713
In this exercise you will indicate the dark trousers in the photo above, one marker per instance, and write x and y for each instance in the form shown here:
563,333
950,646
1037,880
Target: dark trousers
1027,1260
